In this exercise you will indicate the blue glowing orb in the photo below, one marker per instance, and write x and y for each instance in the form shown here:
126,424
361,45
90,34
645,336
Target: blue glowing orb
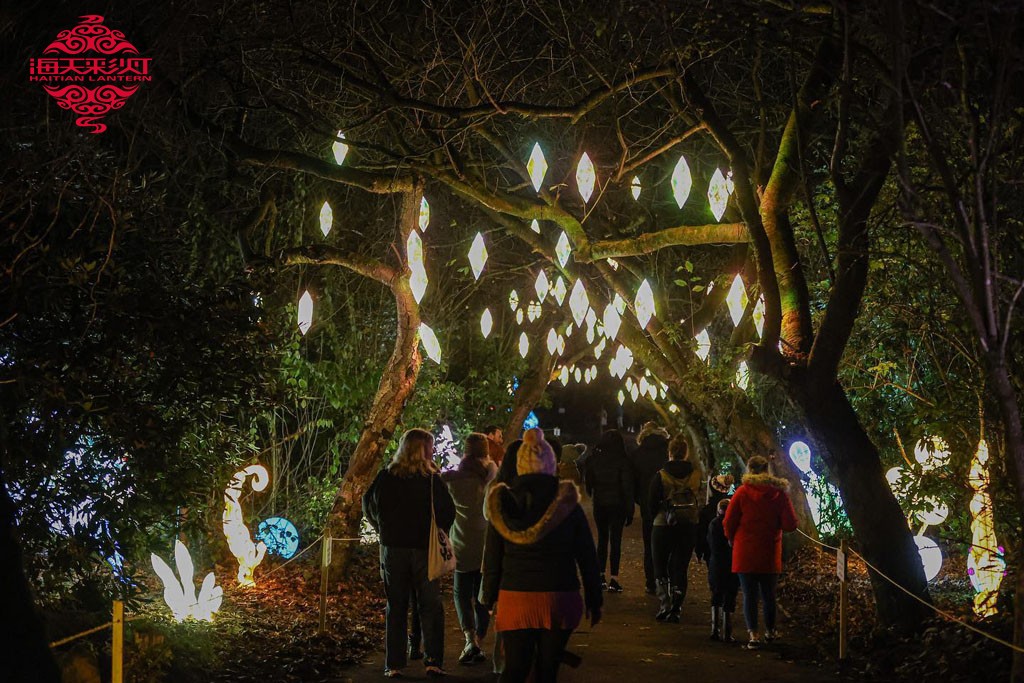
279,535
531,421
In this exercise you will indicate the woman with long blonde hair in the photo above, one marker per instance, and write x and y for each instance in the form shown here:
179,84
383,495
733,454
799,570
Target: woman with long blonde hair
398,506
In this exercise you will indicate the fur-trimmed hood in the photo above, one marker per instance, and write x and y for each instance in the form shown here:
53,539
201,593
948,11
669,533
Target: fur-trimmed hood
766,480
518,521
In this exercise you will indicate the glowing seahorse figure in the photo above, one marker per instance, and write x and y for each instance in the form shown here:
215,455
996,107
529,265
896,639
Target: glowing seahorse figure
248,553
985,563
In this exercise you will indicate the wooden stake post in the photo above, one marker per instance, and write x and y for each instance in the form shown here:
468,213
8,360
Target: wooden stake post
844,611
117,644
325,567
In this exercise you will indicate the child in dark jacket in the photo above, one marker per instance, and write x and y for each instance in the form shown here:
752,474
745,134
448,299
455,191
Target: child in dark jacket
723,583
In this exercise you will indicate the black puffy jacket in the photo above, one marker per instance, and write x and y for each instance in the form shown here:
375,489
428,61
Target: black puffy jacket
649,457
608,476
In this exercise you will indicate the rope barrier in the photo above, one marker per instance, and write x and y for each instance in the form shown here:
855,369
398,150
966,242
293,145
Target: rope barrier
942,613
814,540
65,641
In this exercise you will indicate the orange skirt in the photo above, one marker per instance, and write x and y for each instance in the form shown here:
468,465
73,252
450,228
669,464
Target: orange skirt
554,610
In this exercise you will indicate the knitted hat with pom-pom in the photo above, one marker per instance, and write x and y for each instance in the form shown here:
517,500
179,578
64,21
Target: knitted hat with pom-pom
535,456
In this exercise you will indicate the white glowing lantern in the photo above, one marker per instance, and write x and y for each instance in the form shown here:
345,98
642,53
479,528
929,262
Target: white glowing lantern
737,300
563,249
180,591
588,376
585,177
552,341
681,181
305,312
591,318
542,285
703,345
579,302
430,343
326,219
561,345
758,316
621,397
619,303
559,290
524,345
743,376
486,323
417,273
629,384
533,311
985,563
644,385
931,452
513,300
613,263
652,392
577,375
599,349
477,255
935,511
424,218
590,335
718,194
673,408
340,149
634,392
563,376
240,543
644,304
537,166
612,321
931,556
893,476
800,454
519,317
535,226
634,187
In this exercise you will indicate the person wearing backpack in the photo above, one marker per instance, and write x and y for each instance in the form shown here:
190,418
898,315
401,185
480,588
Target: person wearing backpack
675,509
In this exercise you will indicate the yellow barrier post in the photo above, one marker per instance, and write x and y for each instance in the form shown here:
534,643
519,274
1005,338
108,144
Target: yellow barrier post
844,612
325,567
117,644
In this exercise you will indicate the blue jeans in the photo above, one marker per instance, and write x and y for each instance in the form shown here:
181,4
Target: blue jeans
472,617
404,571
763,584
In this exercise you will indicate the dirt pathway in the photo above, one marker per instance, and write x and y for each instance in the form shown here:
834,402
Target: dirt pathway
629,646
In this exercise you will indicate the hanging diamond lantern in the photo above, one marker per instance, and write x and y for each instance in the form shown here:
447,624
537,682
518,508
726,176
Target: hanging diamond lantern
563,249
524,345
477,255
579,303
634,187
703,345
542,285
737,300
552,341
681,181
430,343
326,218
537,166
424,219
486,323
305,312
644,304
718,194
585,177
535,226
612,321
513,300
340,149
559,290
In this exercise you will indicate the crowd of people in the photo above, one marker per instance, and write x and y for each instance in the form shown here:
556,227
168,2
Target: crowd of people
525,562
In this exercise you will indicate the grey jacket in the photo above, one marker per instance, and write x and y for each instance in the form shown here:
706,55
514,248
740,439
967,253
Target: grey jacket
468,489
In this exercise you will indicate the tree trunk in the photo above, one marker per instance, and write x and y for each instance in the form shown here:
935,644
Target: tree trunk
879,524
1013,436
397,383
531,388
23,631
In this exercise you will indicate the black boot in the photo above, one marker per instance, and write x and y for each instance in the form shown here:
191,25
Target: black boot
675,607
664,601
727,628
715,624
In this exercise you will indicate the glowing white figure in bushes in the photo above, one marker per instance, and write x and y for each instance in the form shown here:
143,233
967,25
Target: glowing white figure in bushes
248,553
180,594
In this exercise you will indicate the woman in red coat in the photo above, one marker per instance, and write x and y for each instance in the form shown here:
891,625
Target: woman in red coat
758,514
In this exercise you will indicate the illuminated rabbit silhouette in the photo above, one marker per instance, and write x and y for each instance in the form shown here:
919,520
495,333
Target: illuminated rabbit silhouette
248,553
180,594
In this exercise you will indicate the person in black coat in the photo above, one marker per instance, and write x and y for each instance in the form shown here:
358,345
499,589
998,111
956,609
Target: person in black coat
723,583
649,457
609,481
537,549
398,506
718,489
